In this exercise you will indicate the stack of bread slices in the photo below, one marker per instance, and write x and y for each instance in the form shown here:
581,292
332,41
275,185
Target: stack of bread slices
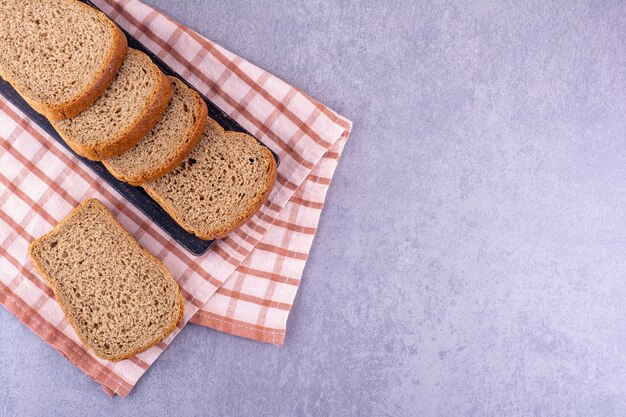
111,103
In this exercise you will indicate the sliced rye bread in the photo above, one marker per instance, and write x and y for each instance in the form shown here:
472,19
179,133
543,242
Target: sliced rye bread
124,114
219,186
117,296
60,55
168,143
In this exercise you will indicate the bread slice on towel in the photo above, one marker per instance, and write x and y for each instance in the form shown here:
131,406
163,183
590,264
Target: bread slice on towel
117,296
168,143
124,114
219,186
60,55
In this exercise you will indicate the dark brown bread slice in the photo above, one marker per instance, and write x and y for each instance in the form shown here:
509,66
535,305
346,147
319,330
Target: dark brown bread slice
219,186
117,296
168,143
124,114
60,55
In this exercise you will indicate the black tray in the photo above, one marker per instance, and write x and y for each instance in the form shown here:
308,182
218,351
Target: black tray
135,195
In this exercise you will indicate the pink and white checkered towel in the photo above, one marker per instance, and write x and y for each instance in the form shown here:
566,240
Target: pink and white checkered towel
246,283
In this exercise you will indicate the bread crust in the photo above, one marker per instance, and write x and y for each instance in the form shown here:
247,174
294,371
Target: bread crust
98,86
70,319
134,133
192,140
218,234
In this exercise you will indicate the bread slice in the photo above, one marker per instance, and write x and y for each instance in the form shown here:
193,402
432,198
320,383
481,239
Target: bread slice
219,186
117,296
168,143
125,113
60,55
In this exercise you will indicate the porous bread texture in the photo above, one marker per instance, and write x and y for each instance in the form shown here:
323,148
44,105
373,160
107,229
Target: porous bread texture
60,55
168,143
117,296
124,114
219,186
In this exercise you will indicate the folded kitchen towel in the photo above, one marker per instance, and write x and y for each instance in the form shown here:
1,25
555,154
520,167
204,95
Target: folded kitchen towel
245,284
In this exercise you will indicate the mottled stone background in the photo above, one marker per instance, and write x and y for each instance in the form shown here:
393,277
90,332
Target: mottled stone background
471,258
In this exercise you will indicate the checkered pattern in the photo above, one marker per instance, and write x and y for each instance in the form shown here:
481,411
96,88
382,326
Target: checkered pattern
246,283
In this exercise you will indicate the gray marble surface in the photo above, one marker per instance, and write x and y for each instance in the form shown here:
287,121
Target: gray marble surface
471,258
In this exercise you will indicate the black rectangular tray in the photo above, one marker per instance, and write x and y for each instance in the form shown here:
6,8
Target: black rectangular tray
135,195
